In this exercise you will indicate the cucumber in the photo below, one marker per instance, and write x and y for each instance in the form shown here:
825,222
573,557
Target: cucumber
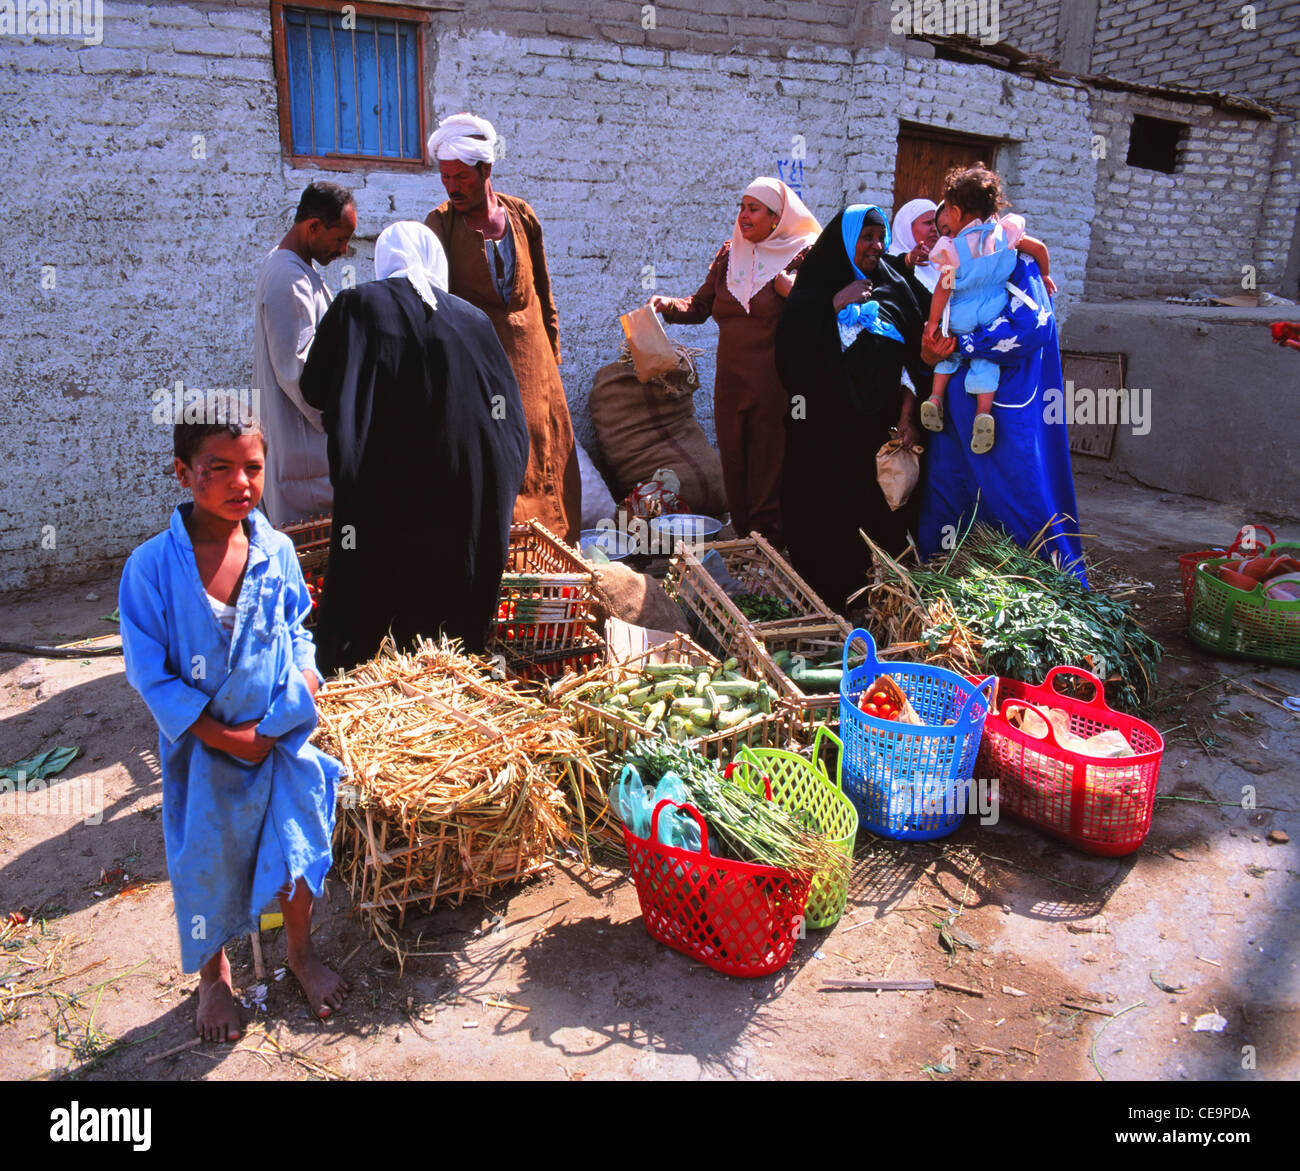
817,679
666,670
688,704
640,697
729,720
656,714
742,688
701,717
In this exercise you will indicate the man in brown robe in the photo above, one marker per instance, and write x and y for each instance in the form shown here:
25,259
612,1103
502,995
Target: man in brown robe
498,264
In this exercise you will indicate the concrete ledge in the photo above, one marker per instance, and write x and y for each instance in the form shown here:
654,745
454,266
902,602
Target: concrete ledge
1224,417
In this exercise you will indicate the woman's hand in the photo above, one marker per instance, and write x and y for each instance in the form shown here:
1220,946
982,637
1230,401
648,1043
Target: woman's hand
783,282
907,429
312,681
856,293
659,304
1050,285
935,348
909,432
919,255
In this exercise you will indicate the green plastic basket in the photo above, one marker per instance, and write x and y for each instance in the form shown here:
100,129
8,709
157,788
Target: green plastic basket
1244,623
804,788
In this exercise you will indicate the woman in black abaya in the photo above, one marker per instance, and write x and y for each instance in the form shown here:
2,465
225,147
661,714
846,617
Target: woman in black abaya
427,450
851,326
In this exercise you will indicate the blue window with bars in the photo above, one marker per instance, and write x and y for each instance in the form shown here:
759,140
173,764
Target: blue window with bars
354,85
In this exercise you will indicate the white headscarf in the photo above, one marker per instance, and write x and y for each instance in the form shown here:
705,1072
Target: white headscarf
905,241
464,137
752,265
410,249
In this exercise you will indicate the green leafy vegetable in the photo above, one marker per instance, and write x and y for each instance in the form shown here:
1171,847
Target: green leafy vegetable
49,763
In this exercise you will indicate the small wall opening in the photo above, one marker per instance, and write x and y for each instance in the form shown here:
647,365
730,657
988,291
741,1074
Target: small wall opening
1153,143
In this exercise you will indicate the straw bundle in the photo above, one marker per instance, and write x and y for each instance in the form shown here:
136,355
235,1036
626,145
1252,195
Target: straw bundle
457,782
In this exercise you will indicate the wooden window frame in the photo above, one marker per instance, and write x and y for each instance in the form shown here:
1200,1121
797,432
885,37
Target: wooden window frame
941,136
280,53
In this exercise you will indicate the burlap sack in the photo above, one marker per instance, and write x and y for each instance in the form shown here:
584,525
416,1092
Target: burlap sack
636,598
645,426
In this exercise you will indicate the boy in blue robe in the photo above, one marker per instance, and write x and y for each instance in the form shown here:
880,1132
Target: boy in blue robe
212,632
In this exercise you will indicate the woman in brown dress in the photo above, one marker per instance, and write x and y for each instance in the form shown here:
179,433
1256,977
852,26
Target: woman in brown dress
745,293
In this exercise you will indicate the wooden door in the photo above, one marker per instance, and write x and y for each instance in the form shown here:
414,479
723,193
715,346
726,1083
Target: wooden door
925,156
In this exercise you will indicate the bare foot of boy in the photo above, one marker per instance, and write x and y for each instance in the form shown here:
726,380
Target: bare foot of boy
218,1017
323,988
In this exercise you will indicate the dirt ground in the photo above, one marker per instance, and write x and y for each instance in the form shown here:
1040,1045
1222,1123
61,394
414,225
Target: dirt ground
556,978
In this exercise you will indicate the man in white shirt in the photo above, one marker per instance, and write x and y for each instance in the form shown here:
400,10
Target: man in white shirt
290,298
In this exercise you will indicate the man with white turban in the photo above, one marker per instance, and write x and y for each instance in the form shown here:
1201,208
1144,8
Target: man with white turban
498,264
427,449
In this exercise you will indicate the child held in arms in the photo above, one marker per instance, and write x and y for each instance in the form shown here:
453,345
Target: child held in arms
975,266
212,632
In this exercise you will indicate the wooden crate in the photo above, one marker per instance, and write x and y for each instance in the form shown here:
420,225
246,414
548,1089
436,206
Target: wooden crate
585,654
808,710
547,602
759,569
618,734
311,542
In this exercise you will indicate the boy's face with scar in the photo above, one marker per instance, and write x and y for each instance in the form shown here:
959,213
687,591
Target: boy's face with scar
226,475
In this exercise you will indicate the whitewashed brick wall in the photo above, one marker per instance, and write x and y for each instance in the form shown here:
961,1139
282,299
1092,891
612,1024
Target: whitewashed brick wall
1031,25
147,171
1200,44
1158,235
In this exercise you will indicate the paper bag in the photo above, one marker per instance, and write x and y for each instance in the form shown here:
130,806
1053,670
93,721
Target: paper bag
898,467
652,352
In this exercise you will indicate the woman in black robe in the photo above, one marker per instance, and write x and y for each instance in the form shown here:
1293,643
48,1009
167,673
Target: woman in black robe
851,326
427,451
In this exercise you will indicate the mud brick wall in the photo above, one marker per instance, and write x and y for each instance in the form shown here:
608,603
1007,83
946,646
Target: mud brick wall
1198,45
1157,235
149,182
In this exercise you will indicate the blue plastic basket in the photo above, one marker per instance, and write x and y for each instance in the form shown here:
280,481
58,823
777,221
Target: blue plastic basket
911,782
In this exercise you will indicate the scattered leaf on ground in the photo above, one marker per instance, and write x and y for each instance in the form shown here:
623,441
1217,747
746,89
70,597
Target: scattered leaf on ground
49,763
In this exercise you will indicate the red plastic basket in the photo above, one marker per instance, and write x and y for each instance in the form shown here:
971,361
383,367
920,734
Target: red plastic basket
739,918
1099,804
1246,544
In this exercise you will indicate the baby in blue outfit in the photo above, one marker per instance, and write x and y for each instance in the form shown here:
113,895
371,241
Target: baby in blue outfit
972,291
